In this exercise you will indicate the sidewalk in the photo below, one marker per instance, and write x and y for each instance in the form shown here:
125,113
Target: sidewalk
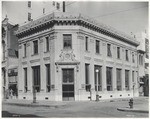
140,105
29,103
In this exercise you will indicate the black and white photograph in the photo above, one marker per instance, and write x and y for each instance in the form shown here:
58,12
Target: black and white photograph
74,59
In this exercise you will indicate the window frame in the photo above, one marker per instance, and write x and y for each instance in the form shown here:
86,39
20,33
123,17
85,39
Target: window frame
99,67
109,70
47,44
127,79
35,49
48,78
118,52
109,54
97,46
64,40
120,80
127,55
86,43
25,80
36,78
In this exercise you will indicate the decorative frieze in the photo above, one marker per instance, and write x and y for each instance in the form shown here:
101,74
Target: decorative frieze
119,64
127,66
36,60
98,60
109,62
87,58
24,63
46,58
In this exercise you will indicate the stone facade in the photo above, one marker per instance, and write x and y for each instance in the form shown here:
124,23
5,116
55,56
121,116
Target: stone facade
83,33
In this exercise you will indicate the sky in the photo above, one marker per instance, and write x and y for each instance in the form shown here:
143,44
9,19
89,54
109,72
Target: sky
125,16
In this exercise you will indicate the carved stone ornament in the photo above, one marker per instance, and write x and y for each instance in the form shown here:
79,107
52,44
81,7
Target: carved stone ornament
67,56
28,44
20,46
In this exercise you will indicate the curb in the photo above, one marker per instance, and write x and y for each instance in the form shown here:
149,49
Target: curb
132,110
34,105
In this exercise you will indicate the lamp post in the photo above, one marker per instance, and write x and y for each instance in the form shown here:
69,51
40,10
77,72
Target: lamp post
97,96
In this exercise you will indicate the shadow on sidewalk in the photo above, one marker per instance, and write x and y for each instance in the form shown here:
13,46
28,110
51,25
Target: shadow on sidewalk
8,114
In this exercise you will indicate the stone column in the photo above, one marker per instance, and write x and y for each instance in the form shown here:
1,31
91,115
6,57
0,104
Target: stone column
114,78
123,78
104,85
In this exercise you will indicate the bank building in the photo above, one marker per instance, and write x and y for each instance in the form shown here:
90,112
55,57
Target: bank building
65,56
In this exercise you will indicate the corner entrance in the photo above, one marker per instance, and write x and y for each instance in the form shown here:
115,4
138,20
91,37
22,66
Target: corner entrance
68,84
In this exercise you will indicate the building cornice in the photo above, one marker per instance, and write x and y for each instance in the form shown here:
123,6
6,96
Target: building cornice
69,19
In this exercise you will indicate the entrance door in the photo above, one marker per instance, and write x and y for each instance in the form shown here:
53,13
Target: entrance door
68,84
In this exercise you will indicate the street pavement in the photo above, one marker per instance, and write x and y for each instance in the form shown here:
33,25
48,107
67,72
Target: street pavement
80,109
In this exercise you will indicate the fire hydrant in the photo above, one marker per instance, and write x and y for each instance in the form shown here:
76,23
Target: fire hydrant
131,103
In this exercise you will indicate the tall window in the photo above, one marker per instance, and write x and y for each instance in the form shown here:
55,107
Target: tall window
4,75
109,50
35,46
133,57
127,79
147,48
67,41
29,16
86,43
118,52
87,76
97,46
3,43
118,71
47,44
29,4
99,78
48,79
132,76
25,80
109,78
36,78
127,59
140,60
25,50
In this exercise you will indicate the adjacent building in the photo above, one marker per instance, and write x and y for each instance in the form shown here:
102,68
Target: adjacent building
9,60
143,63
60,53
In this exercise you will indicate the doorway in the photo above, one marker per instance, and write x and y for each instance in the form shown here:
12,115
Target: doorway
68,84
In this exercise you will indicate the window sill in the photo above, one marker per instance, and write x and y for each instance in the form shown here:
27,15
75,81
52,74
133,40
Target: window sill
47,52
87,51
34,54
24,57
98,54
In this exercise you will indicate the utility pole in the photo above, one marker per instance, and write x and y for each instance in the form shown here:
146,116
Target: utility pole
63,6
